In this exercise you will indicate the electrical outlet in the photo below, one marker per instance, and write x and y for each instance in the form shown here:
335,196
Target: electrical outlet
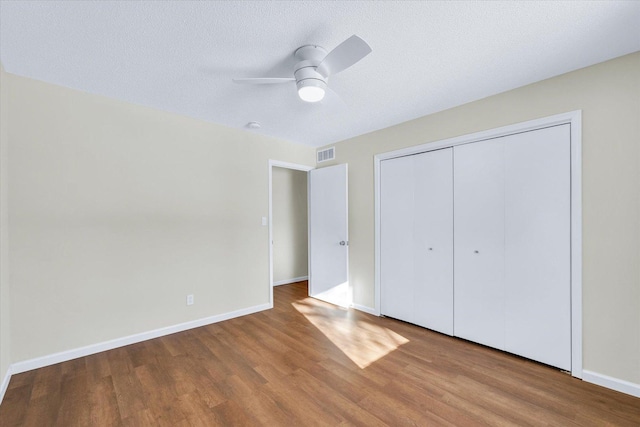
190,299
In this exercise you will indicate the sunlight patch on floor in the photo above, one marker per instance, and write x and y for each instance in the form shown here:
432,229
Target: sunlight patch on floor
359,340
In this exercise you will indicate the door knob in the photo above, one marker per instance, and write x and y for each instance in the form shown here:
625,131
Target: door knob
343,243
430,249
476,252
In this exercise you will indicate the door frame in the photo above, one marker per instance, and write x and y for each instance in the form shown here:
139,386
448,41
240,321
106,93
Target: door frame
574,119
284,165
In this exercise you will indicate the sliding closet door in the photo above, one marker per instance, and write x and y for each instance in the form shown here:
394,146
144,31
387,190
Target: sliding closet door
537,245
396,237
479,242
433,240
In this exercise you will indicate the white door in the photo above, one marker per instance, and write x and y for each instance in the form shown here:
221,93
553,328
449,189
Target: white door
328,235
416,239
537,245
512,244
433,240
396,238
479,242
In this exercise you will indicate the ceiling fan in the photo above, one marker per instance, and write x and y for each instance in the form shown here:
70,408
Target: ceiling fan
315,66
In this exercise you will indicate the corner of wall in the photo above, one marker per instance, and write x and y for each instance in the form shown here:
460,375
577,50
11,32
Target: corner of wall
5,351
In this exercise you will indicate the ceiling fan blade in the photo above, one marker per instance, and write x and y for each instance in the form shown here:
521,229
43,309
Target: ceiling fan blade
264,80
344,56
335,100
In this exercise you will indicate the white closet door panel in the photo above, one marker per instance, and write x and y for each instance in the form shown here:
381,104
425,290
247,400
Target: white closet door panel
433,240
537,245
396,237
479,242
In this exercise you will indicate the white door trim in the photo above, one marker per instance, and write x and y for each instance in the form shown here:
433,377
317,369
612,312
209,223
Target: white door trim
286,165
574,118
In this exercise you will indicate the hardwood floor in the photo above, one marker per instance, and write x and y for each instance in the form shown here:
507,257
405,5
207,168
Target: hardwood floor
308,363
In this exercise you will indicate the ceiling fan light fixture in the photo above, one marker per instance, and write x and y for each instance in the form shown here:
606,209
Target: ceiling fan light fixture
311,90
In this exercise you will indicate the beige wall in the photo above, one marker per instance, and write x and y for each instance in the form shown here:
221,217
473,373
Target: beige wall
289,220
609,96
5,331
119,211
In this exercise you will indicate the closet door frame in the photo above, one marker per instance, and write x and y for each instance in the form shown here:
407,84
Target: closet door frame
574,119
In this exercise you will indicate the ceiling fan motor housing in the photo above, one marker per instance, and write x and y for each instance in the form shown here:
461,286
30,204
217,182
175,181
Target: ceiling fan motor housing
305,71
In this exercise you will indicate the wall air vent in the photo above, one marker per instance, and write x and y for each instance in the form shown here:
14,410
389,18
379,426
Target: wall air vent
326,154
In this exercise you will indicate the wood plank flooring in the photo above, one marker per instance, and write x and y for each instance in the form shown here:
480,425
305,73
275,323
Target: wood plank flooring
307,363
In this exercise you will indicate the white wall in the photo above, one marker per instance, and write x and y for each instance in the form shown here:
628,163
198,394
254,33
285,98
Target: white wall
289,221
609,96
119,211
5,330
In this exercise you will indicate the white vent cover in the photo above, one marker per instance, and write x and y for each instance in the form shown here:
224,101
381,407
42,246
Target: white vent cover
326,154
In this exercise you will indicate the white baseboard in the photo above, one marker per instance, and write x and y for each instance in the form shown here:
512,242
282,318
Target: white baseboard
612,383
364,308
289,281
5,383
63,356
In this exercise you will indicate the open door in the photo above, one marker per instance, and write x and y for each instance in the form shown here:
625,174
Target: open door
328,236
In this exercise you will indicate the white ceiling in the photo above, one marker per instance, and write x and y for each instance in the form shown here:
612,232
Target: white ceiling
427,56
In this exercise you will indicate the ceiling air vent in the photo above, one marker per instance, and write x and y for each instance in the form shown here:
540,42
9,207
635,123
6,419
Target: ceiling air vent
326,154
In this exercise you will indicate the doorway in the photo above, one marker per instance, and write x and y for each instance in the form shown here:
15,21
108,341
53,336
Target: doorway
290,234
288,230
328,241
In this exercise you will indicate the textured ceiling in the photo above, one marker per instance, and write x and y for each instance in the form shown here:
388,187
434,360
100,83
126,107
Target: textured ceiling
427,56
